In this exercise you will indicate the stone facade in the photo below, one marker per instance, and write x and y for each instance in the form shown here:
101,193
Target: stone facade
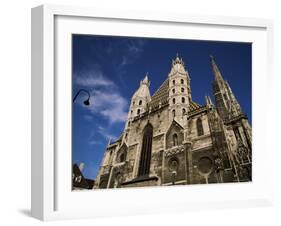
169,139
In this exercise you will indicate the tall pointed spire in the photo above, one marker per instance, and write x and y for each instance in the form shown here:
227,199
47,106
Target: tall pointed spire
216,70
226,102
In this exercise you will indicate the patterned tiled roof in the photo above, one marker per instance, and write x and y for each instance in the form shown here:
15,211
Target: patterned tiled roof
161,95
193,106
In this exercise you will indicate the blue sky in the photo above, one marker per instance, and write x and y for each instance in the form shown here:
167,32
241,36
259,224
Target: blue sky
110,68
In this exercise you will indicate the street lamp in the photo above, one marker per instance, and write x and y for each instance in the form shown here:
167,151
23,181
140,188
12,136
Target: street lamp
87,101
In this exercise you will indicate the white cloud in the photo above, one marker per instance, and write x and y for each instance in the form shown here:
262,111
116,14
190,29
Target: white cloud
94,142
88,117
133,50
106,134
92,78
136,47
110,104
105,99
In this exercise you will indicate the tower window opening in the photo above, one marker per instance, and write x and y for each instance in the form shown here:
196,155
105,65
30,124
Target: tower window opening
173,90
174,100
138,112
140,102
182,90
174,113
182,81
183,111
183,100
174,82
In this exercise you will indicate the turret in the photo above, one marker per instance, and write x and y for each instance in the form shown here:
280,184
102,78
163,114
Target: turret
140,99
179,90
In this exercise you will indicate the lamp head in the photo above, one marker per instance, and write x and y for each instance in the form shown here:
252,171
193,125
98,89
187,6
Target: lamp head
87,102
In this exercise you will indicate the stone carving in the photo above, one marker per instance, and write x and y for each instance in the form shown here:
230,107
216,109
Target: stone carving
174,151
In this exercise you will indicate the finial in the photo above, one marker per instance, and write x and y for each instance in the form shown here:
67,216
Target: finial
109,141
177,60
208,100
145,80
146,77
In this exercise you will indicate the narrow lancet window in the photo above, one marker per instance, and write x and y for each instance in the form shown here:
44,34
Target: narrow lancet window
144,164
199,126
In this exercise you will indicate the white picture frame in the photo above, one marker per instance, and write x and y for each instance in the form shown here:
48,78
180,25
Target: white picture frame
51,164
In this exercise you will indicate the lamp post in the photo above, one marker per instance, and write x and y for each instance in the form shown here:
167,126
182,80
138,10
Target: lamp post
87,101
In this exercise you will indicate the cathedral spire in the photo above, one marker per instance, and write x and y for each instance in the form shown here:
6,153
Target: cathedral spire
216,71
226,102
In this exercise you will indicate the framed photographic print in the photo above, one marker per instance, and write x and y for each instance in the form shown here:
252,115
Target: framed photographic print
137,112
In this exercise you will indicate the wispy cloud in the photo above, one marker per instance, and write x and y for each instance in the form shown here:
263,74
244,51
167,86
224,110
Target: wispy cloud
136,46
94,142
106,134
88,117
93,78
110,104
94,137
133,49
124,61
106,99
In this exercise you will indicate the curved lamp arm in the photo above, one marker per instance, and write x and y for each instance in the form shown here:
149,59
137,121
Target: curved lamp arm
87,101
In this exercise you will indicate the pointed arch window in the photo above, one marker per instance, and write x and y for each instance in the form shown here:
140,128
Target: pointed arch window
174,82
173,90
174,113
199,126
175,139
183,100
140,102
122,157
182,81
174,100
182,90
144,164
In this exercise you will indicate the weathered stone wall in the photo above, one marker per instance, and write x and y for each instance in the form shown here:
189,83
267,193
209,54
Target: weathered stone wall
175,165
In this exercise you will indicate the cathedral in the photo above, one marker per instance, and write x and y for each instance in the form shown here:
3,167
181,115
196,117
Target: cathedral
169,139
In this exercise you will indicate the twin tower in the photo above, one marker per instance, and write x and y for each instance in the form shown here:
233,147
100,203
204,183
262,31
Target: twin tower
179,96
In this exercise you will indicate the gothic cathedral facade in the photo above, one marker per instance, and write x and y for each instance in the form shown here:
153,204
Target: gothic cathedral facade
169,139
